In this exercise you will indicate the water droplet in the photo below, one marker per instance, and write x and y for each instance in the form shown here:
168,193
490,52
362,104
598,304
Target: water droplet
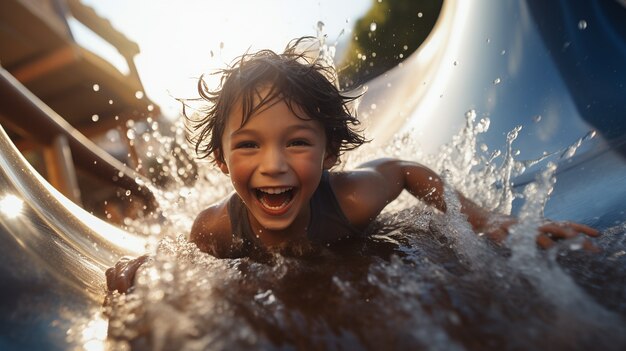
455,63
373,54
503,52
401,55
95,118
127,193
372,26
96,87
222,43
420,15
130,134
150,107
512,135
406,47
488,40
483,125
570,151
470,115
537,118
582,24
373,106
320,26
139,94
497,81
575,246
110,102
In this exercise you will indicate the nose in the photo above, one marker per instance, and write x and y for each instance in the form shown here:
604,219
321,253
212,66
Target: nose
273,162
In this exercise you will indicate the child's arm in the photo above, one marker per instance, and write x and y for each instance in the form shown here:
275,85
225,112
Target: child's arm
364,192
210,232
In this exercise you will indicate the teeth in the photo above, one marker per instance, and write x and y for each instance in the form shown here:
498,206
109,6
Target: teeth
275,190
274,207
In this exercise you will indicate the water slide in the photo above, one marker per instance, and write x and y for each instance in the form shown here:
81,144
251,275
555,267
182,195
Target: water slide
555,68
53,253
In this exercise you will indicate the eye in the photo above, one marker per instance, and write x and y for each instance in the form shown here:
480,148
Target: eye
299,142
246,145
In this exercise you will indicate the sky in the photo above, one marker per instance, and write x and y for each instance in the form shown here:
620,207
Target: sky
182,39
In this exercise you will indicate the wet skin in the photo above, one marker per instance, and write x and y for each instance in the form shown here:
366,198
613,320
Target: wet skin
275,162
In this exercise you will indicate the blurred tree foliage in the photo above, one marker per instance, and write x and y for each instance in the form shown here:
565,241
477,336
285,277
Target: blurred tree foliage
387,34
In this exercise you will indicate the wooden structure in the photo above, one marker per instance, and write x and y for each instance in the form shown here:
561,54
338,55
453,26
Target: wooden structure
38,49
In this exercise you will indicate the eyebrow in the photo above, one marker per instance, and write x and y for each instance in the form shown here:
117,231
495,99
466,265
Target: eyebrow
297,127
290,129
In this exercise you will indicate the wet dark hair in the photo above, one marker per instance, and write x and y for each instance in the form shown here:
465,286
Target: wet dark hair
291,77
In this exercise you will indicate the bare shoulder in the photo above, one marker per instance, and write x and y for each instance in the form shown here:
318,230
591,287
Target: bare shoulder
361,193
367,178
211,230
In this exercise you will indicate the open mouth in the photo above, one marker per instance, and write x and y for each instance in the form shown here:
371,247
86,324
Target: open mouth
275,199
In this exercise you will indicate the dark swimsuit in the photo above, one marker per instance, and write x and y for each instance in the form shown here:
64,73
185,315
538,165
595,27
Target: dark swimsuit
328,223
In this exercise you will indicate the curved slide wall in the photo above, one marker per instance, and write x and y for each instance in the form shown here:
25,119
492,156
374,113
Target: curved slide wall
496,57
555,68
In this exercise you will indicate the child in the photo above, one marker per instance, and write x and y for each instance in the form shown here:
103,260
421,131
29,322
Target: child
276,126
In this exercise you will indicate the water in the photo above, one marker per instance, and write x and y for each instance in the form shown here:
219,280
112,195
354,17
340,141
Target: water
421,280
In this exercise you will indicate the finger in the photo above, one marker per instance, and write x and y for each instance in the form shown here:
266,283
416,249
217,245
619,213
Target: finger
558,231
571,226
497,235
110,274
142,259
123,285
120,266
581,228
126,278
544,241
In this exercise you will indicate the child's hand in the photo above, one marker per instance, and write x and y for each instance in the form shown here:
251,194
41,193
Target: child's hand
122,276
549,233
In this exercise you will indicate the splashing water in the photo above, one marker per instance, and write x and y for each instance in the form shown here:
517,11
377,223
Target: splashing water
421,280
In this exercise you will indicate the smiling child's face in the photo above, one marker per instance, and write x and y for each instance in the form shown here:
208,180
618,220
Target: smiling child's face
275,162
